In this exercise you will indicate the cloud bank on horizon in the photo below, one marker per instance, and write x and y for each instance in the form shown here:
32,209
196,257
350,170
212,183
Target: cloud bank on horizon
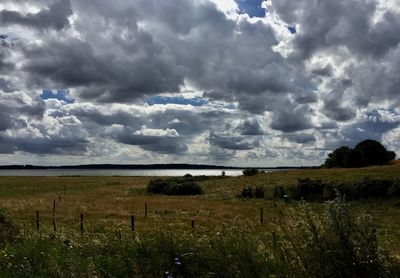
245,82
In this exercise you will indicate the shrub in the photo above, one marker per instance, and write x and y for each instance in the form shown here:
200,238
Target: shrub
174,187
8,230
253,192
250,172
368,188
186,188
259,192
279,192
247,192
157,186
307,189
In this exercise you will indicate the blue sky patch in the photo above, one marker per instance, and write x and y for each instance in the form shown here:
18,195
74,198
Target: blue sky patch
57,94
292,29
3,37
197,101
251,7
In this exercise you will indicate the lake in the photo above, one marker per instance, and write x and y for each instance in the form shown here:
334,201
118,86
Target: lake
122,172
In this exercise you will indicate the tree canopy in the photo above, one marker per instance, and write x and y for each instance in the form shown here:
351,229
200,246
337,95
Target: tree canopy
366,153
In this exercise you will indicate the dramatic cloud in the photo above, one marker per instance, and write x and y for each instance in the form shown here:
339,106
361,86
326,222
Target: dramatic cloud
251,127
207,81
55,17
233,143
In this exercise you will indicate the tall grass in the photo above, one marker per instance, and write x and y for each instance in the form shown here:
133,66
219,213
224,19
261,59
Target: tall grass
305,244
332,244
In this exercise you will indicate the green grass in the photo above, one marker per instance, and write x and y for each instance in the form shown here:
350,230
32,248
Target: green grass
301,243
228,240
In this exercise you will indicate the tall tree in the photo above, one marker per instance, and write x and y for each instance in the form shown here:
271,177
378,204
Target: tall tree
374,152
365,153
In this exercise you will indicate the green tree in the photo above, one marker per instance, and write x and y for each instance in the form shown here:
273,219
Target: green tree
365,153
336,158
353,158
374,152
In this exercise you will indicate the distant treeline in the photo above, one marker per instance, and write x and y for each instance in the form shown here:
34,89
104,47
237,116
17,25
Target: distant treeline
121,166
133,167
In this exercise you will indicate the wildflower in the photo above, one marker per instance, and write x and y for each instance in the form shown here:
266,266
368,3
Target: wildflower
177,261
167,274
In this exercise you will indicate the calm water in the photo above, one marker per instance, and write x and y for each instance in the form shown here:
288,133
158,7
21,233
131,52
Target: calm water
116,172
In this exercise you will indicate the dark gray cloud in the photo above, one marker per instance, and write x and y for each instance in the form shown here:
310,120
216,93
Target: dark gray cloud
289,117
375,82
5,66
54,17
334,81
307,97
251,127
334,110
104,117
327,24
301,138
233,142
6,86
161,142
59,146
325,71
14,107
116,59
106,77
373,126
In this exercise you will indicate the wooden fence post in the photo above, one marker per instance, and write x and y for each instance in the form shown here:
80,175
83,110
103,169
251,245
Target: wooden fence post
82,224
54,223
192,224
54,215
132,223
37,220
273,241
262,216
145,210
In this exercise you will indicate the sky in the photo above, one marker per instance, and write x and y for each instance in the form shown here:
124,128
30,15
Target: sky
241,83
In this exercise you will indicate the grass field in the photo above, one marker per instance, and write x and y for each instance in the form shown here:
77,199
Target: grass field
107,201
107,204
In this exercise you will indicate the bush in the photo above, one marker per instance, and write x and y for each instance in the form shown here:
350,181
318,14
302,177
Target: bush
279,192
332,245
174,187
312,190
186,188
247,192
250,172
157,186
259,192
8,230
307,189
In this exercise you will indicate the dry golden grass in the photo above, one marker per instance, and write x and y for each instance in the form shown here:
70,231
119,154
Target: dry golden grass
109,201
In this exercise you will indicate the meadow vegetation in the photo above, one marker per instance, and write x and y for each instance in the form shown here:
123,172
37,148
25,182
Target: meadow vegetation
174,186
345,236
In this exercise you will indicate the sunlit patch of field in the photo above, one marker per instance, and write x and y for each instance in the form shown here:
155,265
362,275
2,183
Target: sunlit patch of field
228,238
109,202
